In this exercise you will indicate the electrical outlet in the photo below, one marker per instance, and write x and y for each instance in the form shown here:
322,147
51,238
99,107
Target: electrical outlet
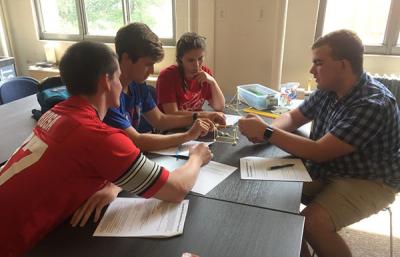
260,14
221,12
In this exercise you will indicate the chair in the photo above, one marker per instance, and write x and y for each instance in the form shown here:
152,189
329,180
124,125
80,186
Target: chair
393,85
16,88
28,78
391,229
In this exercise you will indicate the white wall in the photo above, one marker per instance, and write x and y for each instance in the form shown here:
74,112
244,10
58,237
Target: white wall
4,45
300,26
25,46
245,34
382,64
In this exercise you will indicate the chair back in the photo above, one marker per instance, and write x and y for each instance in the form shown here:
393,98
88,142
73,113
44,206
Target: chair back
17,88
393,84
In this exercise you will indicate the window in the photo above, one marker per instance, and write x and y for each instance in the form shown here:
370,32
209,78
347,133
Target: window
100,22
58,18
375,21
100,19
154,15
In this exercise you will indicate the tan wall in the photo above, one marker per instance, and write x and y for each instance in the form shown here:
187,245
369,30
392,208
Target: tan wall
244,47
302,18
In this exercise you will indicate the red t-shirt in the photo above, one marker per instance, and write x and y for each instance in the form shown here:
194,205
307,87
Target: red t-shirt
170,90
70,155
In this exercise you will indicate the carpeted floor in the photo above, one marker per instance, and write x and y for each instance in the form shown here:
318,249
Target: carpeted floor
365,244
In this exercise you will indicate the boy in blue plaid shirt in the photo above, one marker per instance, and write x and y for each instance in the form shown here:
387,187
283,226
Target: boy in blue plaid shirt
353,151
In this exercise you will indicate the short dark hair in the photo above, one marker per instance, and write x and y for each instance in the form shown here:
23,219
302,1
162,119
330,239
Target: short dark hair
137,40
82,65
189,41
345,44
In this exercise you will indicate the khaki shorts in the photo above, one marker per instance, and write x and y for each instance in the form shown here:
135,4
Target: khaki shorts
349,200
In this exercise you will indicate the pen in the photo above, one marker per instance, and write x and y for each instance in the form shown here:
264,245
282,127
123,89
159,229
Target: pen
281,166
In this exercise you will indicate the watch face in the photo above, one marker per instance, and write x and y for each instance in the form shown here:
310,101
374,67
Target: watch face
268,133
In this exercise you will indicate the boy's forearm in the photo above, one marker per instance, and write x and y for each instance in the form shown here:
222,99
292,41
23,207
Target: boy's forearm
171,121
150,142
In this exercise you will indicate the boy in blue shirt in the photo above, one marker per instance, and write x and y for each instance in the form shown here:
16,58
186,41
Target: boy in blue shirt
138,49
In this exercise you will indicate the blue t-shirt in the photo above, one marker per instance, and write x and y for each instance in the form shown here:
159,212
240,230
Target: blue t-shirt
132,106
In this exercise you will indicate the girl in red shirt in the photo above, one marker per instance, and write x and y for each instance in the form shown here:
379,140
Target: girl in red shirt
185,86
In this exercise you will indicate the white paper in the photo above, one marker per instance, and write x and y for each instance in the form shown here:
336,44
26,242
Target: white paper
209,177
257,168
137,217
231,120
182,150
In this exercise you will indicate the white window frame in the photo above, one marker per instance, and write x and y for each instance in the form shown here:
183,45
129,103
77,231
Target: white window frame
83,26
392,30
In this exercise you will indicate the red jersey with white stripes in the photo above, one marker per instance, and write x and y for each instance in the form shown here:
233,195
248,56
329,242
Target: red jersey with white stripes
70,155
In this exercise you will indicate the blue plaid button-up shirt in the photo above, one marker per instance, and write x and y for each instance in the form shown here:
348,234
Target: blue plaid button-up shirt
366,118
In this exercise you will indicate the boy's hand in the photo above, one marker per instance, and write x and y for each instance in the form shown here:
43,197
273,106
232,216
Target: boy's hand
253,127
199,128
201,151
95,203
215,117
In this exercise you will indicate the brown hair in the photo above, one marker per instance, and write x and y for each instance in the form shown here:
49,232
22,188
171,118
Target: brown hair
137,40
188,41
345,44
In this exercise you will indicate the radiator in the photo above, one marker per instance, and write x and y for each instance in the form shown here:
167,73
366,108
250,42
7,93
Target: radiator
392,82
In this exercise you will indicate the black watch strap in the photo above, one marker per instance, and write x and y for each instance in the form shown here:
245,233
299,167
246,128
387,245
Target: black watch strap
268,133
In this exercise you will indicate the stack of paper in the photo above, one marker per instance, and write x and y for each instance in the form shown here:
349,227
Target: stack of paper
136,217
257,168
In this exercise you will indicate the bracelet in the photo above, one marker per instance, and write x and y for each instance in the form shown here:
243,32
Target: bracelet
195,116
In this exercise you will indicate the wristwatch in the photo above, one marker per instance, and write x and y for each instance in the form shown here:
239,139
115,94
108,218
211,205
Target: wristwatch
268,133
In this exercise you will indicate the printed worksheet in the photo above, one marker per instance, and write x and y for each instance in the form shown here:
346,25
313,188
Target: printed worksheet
257,168
137,217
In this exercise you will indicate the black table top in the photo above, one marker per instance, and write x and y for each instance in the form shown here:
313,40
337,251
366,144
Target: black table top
276,195
213,228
